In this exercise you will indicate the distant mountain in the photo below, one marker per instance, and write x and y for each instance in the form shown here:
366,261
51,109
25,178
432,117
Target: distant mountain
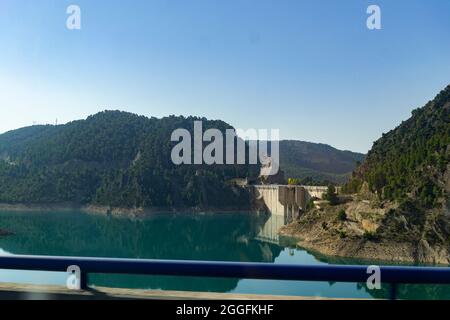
321,162
114,159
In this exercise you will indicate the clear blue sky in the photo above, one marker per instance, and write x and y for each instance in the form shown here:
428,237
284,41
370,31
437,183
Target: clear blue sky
310,68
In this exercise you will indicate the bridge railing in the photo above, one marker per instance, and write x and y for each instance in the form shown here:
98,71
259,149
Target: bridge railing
392,275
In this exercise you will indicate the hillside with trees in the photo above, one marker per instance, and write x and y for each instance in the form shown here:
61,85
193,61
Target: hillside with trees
397,205
316,163
411,162
115,159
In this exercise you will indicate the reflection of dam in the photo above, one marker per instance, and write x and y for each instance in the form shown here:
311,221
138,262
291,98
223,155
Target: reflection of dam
284,204
269,230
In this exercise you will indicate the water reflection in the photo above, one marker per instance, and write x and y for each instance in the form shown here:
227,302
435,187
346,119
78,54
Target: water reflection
222,237
268,229
183,236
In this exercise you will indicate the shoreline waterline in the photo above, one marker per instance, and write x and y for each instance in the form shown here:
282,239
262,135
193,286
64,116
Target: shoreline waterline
117,211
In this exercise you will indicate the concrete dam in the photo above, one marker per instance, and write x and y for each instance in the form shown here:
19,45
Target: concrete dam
286,201
283,203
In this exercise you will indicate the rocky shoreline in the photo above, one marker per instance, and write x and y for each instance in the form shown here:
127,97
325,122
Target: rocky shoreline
118,212
142,212
363,250
359,236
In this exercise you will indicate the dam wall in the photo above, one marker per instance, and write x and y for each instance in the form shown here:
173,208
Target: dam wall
285,200
284,203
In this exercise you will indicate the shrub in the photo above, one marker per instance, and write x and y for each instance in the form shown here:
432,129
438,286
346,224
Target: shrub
331,195
369,236
342,215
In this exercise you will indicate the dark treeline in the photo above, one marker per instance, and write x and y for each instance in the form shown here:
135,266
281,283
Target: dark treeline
113,158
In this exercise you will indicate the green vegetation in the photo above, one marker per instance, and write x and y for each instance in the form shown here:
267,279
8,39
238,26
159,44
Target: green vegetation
370,236
331,195
310,204
411,160
342,215
308,181
294,181
113,158
342,234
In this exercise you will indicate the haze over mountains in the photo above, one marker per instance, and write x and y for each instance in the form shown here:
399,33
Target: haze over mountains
320,162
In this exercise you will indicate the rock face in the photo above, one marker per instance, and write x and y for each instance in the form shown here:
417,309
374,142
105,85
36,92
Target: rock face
367,232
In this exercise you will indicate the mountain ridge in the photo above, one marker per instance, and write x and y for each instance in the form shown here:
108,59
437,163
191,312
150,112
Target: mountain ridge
301,160
397,206
113,158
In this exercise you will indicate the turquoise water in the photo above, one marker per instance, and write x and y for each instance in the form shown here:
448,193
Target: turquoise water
216,237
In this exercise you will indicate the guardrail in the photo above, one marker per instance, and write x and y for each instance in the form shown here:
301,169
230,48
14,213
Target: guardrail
392,275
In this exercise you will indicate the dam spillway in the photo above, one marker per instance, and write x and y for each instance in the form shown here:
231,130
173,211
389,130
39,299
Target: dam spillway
283,203
285,200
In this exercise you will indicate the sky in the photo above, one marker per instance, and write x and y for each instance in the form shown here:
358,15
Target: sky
309,68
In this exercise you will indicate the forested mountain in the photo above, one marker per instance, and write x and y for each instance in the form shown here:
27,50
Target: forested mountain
412,161
113,158
317,162
399,207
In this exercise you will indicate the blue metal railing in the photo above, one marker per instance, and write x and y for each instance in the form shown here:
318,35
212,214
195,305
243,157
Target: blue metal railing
393,275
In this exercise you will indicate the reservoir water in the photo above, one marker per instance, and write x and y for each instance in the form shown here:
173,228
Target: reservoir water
242,237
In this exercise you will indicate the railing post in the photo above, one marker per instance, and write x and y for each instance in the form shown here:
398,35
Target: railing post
84,281
393,291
